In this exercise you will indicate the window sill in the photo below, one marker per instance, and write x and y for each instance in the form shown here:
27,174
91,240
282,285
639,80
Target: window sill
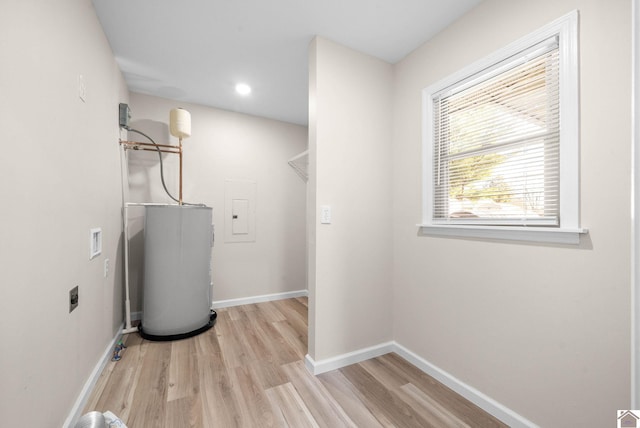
530,234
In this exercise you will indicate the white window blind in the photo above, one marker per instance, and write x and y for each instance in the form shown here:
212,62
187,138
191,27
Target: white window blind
496,143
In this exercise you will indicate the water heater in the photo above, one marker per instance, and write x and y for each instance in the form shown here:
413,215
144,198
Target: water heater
177,271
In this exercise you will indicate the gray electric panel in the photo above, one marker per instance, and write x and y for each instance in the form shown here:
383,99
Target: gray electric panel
177,270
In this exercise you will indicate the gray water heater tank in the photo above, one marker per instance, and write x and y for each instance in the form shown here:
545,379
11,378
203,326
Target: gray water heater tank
177,271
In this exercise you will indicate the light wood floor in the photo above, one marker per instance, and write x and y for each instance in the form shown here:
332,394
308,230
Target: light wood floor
248,371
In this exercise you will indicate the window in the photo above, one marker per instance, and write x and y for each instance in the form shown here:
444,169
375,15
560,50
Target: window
501,143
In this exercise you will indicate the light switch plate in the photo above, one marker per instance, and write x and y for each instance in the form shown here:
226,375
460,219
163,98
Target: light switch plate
325,214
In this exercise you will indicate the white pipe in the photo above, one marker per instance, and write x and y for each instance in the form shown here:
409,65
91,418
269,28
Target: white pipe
148,204
124,168
127,301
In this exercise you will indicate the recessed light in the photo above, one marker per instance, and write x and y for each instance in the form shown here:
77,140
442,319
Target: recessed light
243,89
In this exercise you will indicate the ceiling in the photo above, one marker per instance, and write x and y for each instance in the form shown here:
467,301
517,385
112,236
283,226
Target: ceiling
197,50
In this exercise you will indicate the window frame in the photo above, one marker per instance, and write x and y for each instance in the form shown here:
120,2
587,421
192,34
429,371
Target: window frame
568,229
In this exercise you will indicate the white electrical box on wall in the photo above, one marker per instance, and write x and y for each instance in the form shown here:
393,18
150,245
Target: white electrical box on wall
239,211
240,216
95,242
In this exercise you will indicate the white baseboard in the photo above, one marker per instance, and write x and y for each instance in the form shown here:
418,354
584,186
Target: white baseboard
218,304
481,400
82,399
322,366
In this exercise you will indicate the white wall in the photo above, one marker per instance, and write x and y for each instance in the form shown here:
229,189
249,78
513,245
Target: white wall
350,259
226,145
59,177
542,329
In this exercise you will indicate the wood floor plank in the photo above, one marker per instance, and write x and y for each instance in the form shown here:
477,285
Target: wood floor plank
150,398
381,401
382,373
118,392
98,390
183,370
268,374
324,408
299,325
292,337
250,339
463,408
204,344
290,408
129,340
296,316
235,352
429,408
299,305
271,312
347,396
118,395
219,405
236,312
255,403
184,412
279,350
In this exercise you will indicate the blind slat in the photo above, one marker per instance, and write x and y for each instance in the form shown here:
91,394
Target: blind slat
496,151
